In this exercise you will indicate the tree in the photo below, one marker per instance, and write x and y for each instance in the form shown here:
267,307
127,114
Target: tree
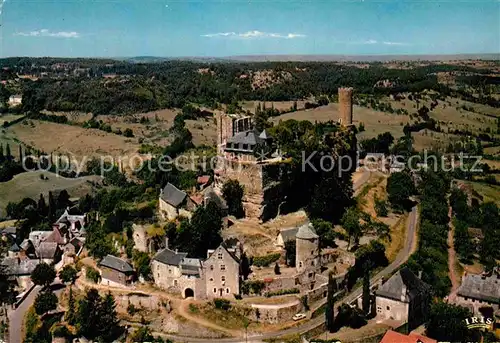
330,305
88,315
109,326
400,187
277,269
290,252
350,222
232,192
42,207
447,322
245,266
70,315
366,288
128,132
8,154
68,274
142,263
43,275
325,232
45,301
52,207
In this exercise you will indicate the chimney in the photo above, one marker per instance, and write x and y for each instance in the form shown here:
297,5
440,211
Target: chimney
403,293
420,274
166,241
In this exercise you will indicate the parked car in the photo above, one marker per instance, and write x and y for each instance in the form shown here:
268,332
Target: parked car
299,316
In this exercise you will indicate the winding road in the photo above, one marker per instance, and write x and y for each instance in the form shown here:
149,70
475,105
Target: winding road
402,257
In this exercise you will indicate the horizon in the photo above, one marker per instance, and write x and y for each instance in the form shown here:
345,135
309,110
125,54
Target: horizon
216,29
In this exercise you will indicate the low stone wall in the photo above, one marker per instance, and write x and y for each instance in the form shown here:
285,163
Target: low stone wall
280,283
276,313
317,293
151,302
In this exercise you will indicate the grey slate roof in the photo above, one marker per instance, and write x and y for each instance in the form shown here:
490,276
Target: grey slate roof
47,250
306,231
264,135
246,137
289,234
16,267
172,195
15,248
169,257
191,266
9,231
117,264
402,286
487,289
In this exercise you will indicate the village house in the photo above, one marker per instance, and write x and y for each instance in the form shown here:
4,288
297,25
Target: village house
478,291
173,203
222,270
116,272
15,100
18,271
218,276
71,224
285,236
49,252
176,273
404,297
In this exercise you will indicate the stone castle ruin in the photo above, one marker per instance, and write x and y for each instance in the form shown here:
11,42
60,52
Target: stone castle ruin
249,156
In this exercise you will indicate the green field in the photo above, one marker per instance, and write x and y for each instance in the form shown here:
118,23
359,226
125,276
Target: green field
489,192
29,185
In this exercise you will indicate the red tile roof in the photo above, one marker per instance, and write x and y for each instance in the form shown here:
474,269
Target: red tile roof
396,337
203,179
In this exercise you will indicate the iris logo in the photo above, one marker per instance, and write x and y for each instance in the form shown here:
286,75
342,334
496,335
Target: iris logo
479,323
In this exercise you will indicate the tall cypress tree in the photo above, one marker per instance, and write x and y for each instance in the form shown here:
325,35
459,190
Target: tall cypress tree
8,154
42,206
70,315
2,157
109,324
366,288
20,153
330,305
52,207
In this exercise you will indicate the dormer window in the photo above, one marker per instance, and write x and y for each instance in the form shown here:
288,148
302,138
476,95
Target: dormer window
219,256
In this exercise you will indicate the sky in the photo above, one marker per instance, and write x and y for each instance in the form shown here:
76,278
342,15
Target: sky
209,28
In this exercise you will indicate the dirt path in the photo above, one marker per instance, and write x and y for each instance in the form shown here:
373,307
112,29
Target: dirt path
452,261
183,311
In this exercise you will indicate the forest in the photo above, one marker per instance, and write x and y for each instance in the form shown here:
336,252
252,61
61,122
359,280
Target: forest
140,87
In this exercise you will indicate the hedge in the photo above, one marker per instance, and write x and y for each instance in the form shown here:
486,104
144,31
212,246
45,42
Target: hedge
265,261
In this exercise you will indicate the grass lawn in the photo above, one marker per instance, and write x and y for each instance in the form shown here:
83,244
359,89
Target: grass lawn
29,185
489,192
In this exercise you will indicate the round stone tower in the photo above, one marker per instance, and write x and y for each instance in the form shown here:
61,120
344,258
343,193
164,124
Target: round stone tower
307,248
345,105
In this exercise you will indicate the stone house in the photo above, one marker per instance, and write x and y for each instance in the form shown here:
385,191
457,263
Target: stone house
478,291
71,224
286,235
222,270
49,252
15,100
404,297
18,271
116,272
173,203
176,273
218,276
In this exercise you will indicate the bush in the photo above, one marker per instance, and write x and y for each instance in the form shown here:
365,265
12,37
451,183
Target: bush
282,292
92,275
381,208
193,308
252,287
222,304
265,261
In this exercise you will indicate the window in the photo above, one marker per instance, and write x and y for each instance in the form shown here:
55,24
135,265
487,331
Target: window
211,267
175,283
211,279
219,256
223,278
227,290
388,308
215,290
312,252
300,264
379,309
170,271
222,267
312,263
